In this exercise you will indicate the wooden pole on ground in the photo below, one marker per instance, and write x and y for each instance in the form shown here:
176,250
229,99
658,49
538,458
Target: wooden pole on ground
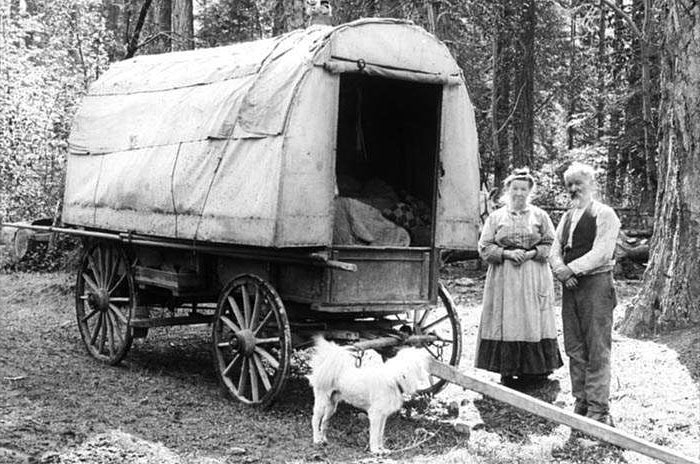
546,410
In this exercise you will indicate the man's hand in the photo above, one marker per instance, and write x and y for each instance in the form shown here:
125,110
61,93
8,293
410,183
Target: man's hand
563,273
571,283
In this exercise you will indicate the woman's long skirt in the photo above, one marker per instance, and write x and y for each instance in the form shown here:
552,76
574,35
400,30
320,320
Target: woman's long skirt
517,334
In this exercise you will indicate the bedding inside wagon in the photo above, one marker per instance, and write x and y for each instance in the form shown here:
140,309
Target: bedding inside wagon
387,144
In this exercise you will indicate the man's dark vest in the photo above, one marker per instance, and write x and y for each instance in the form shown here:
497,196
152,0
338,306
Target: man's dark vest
583,236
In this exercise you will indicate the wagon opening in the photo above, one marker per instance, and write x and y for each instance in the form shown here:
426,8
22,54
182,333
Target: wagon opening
387,147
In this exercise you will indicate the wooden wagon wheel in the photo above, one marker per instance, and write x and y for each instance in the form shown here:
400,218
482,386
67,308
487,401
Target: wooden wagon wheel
251,341
443,322
105,300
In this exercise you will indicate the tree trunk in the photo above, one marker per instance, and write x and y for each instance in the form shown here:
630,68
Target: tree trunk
602,61
500,99
670,295
573,74
649,129
133,44
182,25
611,174
163,10
523,129
616,172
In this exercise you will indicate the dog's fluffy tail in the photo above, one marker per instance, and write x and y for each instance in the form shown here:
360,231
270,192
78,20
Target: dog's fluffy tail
328,363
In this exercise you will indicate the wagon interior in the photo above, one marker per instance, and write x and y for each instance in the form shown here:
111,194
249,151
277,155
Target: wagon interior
387,145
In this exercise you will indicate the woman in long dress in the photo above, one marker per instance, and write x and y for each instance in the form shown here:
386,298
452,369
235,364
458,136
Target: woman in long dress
517,333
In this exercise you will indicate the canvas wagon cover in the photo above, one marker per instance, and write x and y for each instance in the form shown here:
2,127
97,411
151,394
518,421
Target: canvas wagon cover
192,144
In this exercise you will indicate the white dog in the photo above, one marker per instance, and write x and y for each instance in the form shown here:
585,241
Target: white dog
379,389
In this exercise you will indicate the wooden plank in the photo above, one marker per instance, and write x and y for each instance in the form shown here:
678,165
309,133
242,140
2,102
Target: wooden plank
172,321
553,413
180,281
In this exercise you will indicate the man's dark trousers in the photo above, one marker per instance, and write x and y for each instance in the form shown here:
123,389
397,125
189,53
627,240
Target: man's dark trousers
587,312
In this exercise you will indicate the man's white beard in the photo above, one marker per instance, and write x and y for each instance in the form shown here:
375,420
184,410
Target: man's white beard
579,201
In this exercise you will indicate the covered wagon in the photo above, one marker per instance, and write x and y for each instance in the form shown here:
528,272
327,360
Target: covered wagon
276,189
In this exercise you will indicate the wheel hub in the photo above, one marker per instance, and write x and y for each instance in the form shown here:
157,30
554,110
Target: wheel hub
99,300
245,341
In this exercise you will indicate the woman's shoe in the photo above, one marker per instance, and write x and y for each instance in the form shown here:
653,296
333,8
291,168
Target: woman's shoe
508,381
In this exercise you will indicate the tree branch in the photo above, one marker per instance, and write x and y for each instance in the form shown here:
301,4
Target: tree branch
515,107
133,43
152,38
628,19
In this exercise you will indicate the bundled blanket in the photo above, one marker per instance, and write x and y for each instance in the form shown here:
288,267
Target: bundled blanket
357,223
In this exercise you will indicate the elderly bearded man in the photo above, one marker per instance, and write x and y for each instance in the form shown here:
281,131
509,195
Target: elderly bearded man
582,259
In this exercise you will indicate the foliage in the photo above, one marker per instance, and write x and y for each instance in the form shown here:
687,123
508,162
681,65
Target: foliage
587,95
227,22
48,57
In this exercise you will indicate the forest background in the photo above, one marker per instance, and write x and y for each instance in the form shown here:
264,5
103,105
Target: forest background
552,81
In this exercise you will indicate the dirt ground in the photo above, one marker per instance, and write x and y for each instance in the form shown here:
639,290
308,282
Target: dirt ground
163,403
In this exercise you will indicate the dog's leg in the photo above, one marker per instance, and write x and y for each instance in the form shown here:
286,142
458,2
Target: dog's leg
382,423
321,405
330,407
377,420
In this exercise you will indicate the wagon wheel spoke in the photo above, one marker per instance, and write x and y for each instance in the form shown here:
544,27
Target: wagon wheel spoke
91,283
231,325
95,272
119,299
434,355
264,341
98,251
256,308
117,284
103,333
231,364
263,322
253,380
104,267
435,322
236,312
96,331
423,317
113,271
110,324
265,354
246,306
243,379
118,312
261,371
92,313
115,324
